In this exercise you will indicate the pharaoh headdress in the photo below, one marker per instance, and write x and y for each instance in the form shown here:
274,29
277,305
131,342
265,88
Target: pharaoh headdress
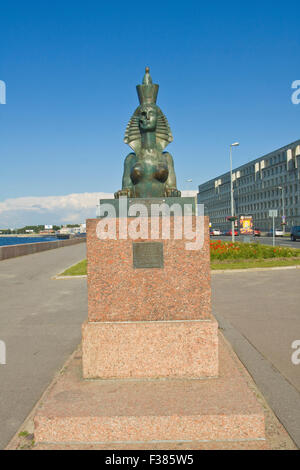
147,93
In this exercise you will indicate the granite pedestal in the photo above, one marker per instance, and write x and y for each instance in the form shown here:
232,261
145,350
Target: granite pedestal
149,322
151,347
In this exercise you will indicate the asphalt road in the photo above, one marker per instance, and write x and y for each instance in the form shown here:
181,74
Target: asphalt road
279,241
259,312
40,322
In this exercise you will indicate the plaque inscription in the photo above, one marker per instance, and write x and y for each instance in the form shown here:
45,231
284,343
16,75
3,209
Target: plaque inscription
148,255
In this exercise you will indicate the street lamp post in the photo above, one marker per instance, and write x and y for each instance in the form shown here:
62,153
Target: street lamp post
283,209
235,144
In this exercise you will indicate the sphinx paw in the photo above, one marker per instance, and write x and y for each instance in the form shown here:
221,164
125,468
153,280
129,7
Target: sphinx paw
123,193
173,192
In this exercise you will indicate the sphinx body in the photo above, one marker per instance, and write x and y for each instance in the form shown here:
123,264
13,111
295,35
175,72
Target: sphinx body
150,174
148,171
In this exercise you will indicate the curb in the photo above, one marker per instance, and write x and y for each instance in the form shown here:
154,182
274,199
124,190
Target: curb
275,268
58,277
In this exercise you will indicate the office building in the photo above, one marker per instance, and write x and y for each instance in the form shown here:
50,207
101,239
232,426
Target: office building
268,182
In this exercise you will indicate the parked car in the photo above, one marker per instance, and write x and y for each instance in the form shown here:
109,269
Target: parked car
229,233
256,232
295,233
215,231
278,232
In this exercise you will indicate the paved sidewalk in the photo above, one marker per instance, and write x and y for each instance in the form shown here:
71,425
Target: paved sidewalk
259,313
40,322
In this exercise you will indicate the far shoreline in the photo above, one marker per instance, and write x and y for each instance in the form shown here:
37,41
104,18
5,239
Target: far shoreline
27,235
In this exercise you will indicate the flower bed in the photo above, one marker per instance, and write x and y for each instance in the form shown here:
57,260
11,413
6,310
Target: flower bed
220,250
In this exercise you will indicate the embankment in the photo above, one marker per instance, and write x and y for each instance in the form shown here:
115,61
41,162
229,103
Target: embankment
12,251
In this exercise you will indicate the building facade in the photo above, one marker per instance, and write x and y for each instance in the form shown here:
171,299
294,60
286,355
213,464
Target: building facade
269,182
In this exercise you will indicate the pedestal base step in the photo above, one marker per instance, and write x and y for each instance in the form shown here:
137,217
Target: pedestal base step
180,446
136,412
150,349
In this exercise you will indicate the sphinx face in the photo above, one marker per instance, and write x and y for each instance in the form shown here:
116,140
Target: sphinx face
148,118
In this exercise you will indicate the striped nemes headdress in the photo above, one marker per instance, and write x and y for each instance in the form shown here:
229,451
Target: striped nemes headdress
147,93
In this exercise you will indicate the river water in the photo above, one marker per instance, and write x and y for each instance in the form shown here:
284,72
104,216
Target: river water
22,240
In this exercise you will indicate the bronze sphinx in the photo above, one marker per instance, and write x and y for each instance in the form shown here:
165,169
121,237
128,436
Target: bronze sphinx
148,171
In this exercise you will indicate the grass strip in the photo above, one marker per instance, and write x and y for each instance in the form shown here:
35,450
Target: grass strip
79,269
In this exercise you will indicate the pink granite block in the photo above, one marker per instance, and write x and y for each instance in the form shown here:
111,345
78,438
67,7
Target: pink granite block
124,411
117,291
150,349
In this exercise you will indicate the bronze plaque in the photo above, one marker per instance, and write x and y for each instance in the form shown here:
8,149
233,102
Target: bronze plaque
148,255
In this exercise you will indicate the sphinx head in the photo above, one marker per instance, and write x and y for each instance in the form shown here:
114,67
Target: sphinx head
147,117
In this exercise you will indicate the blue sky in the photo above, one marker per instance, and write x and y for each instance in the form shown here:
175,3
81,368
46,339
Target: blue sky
224,68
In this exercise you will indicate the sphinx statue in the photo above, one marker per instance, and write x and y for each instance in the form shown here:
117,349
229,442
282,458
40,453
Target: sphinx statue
148,170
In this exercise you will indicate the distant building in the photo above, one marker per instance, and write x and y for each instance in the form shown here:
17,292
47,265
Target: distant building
258,187
73,230
189,193
68,230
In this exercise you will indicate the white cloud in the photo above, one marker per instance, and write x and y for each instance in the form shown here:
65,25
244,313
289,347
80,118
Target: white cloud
72,208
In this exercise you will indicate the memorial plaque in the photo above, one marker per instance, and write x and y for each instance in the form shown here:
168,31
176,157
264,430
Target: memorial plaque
148,255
